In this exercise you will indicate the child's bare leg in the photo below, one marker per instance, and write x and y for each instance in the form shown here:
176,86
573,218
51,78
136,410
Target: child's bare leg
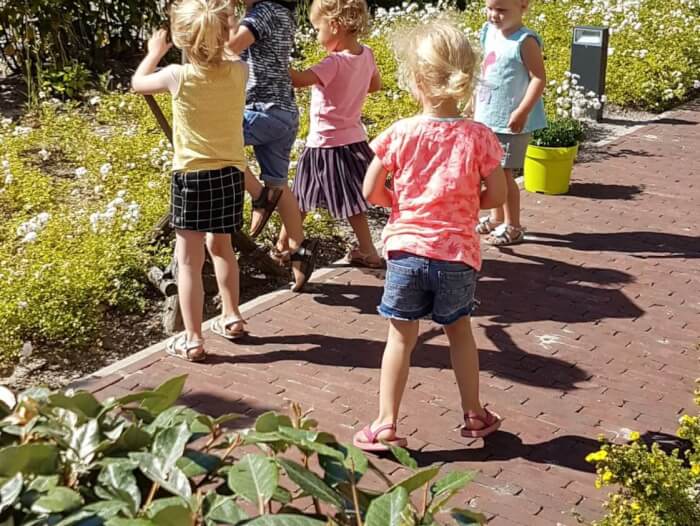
465,363
498,214
252,185
512,205
394,375
226,271
282,244
189,250
360,226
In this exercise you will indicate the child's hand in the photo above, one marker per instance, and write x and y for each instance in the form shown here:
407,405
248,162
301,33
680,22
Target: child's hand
517,121
158,44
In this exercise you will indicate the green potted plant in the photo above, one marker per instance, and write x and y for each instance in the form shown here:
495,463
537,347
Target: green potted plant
550,156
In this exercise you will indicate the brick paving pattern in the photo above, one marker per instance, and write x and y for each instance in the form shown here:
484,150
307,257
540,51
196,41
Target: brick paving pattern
589,329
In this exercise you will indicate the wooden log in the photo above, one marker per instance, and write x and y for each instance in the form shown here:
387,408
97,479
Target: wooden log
159,279
172,316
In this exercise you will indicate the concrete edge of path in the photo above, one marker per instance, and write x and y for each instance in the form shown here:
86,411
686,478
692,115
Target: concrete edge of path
271,298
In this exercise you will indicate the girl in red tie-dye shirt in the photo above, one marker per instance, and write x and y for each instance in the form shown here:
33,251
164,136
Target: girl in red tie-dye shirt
443,168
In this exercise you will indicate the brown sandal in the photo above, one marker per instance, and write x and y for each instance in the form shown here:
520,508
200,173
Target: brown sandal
264,205
305,255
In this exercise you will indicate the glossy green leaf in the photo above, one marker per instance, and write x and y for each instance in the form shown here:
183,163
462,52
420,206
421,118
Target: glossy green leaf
267,422
119,483
43,483
285,520
195,463
337,470
223,510
58,500
389,509
132,439
84,441
404,457
10,492
467,517
451,482
82,402
129,522
310,482
172,511
169,393
254,478
35,459
169,444
418,479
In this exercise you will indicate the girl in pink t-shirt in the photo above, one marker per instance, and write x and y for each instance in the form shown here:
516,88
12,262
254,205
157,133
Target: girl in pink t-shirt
444,168
333,164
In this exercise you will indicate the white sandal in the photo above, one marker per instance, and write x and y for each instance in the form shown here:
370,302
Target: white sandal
486,226
221,327
179,347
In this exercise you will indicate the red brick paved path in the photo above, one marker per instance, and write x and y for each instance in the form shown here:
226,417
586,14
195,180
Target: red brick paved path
589,329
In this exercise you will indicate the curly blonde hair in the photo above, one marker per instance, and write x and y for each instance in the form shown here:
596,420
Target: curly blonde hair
353,15
201,29
437,59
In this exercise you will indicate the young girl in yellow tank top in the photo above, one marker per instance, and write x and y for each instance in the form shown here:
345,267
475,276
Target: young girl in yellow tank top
209,162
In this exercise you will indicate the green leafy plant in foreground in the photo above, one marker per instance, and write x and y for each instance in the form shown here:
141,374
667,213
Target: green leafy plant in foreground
139,460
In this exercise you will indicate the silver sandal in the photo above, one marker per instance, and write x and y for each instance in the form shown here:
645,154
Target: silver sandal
221,327
179,347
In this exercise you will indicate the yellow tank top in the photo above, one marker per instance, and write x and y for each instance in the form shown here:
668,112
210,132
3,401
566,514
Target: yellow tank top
208,117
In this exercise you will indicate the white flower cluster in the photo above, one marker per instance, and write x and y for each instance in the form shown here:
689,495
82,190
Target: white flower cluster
572,100
29,230
117,210
162,156
6,171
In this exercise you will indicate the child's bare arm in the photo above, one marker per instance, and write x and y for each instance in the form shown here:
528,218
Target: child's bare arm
494,193
534,63
376,83
303,79
146,79
240,38
374,187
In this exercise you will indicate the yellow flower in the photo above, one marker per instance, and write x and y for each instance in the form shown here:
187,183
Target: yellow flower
635,506
597,456
607,476
598,485
634,436
695,470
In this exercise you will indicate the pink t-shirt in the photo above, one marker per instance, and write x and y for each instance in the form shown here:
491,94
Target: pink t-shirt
438,166
336,103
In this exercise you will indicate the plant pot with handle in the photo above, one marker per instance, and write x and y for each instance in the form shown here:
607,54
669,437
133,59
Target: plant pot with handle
550,157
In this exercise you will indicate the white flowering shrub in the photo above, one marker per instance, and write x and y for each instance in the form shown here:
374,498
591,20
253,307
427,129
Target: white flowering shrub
654,47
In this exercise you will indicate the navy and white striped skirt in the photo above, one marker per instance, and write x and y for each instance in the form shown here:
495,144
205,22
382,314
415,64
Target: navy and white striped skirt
331,178
207,200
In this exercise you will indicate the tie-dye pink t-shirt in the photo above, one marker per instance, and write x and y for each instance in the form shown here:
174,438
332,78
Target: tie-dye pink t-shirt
438,166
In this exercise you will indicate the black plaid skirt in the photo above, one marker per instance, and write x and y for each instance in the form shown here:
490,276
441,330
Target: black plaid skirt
331,178
207,200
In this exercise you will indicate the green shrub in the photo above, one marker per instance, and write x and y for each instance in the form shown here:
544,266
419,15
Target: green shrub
66,458
655,488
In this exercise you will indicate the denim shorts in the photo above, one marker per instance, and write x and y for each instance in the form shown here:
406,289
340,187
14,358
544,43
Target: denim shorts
514,147
416,287
271,131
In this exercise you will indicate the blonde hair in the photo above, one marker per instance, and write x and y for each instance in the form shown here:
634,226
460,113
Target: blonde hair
437,59
352,15
201,28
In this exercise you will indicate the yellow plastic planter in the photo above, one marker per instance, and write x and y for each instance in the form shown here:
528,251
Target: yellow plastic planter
548,170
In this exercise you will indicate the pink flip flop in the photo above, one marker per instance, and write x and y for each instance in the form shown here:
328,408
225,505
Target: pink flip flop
491,423
367,440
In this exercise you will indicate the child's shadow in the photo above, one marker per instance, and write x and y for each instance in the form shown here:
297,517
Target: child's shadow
567,451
